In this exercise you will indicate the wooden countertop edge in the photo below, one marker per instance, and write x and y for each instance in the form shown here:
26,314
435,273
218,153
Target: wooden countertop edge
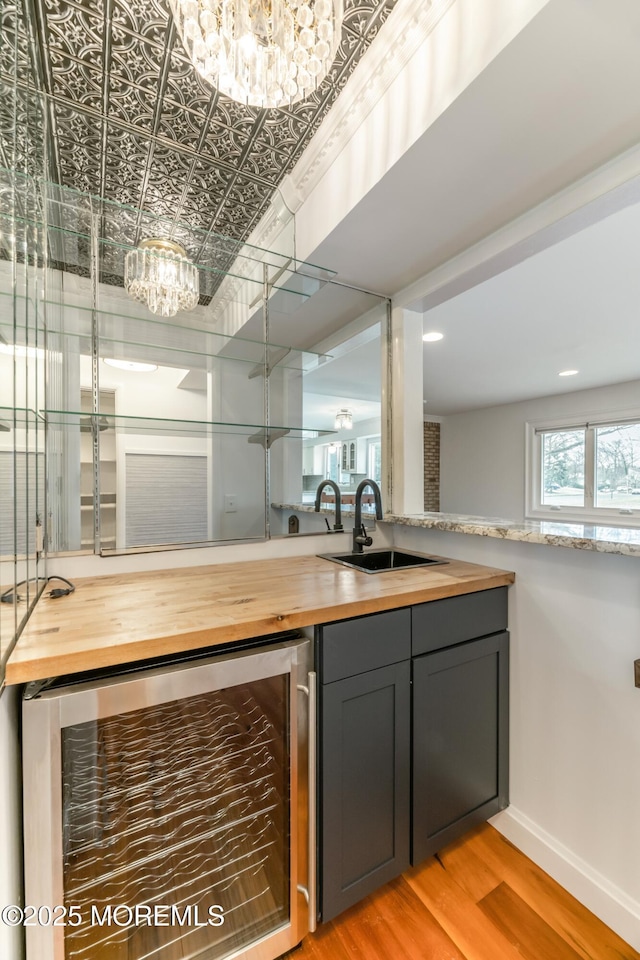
35,667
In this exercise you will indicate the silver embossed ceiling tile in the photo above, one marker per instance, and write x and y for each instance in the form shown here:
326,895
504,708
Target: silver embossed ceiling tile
133,122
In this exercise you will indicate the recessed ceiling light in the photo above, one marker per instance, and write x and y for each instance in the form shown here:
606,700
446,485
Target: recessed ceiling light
567,373
432,337
131,365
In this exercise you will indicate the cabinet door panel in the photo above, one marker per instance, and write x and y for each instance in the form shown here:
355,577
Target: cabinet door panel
365,762
460,730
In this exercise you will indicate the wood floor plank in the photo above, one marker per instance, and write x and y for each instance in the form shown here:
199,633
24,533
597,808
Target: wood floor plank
469,871
434,912
393,923
589,936
324,944
458,914
523,927
419,934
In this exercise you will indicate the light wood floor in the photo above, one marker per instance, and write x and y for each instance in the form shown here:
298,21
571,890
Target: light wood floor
479,899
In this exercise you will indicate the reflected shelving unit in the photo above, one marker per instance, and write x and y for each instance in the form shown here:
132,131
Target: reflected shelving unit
168,432
181,453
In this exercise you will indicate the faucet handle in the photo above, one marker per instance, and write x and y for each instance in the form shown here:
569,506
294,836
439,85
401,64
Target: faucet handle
362,538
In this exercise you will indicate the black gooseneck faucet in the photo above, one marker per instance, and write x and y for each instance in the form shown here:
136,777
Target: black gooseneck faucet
360,537
336,489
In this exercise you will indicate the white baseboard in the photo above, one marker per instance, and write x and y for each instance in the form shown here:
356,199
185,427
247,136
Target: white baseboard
603,898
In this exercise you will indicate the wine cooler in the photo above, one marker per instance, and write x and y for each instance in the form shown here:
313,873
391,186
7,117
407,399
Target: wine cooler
167,810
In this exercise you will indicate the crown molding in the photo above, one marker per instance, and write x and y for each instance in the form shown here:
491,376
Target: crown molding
405,30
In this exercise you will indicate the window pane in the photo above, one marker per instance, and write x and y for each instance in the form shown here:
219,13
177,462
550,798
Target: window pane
563,468
618,466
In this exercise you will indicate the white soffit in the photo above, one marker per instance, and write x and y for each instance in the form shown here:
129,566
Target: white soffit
556,102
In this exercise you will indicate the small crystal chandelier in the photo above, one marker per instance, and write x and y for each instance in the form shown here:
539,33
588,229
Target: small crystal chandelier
344,420
266,53
159,275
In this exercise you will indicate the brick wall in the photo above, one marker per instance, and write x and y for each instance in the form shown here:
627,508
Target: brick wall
431,466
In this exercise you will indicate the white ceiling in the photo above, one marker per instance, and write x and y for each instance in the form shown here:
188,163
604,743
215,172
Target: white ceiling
349,379
562,99
575,305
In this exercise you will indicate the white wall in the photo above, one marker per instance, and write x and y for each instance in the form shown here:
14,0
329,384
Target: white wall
238,467
482,453
574,618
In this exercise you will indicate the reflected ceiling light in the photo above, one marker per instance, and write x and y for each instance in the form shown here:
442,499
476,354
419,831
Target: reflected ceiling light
567,373
432,337
135,365
17,350
344,420
159,275
265,53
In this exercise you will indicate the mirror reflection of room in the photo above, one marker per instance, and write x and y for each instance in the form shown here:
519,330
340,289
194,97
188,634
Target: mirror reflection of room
353,452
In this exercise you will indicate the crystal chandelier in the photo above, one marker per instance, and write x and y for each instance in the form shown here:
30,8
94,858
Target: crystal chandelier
344,420
159,275
266,53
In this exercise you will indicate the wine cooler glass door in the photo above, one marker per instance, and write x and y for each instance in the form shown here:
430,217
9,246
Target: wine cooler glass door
161,812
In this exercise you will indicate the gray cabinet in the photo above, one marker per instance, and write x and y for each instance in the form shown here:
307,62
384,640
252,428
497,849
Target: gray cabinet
413,737
460,715
460,740
365,767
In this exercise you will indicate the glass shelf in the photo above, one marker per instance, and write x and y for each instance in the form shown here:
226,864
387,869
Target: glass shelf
255,432
71,214
134,334
21,416
82,206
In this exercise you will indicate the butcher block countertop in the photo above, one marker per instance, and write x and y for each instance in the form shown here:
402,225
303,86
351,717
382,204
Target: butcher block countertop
119,619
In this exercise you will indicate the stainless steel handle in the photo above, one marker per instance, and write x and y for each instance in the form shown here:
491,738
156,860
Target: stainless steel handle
311,890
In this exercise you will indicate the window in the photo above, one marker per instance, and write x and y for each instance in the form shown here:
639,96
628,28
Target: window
588,471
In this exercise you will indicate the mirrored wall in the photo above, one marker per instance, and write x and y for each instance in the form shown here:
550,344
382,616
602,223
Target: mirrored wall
22,335
195,428
123,429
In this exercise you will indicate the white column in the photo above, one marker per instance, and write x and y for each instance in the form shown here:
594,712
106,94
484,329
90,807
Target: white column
405,398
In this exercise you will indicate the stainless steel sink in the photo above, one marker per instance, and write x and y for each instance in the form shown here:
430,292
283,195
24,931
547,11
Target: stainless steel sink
377,561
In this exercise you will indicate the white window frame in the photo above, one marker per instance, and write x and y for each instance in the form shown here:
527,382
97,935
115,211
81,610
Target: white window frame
589,513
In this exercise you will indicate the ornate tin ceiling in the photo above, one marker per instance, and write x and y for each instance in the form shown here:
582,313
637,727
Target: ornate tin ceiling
131,121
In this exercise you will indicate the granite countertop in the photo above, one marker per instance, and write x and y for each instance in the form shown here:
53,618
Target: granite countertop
578,536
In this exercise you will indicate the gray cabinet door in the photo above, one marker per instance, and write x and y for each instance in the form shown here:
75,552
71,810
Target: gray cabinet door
460,740
365,784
